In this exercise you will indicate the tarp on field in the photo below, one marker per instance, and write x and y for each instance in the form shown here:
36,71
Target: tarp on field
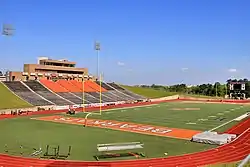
213,138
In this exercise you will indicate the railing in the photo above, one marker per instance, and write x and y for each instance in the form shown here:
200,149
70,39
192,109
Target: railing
245,161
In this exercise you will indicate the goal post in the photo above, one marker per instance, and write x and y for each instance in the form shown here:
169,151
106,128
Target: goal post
86,119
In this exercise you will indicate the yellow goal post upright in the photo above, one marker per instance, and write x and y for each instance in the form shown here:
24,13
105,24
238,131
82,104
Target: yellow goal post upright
100,86
100,103
97,49
83,95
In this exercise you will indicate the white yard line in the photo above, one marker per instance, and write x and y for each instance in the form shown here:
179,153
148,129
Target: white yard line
242,117
225,122
221,125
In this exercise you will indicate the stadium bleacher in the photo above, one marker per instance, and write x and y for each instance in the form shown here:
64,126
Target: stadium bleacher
71,97
87,98
126,92
44,92
103,97
63,92
23,92
113,96
115,86
104,85
115,92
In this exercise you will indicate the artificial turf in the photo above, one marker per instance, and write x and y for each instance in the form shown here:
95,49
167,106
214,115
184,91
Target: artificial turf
35,133
165,115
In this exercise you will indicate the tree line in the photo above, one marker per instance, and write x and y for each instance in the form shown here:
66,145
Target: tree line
215,89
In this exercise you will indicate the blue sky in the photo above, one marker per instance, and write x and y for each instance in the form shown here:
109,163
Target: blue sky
142,41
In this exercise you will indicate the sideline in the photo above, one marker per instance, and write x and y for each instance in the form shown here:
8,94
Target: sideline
225,122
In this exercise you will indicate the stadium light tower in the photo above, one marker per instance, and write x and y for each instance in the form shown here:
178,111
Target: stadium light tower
7,30
97,49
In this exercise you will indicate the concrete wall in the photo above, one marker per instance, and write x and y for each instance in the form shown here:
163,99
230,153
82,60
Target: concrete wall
165,98
8,111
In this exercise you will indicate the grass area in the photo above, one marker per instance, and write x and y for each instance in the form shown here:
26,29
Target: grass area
35,133
9,100
149,92
165,114
154,93
201,96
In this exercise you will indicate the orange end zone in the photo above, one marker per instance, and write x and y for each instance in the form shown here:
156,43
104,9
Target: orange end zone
126,126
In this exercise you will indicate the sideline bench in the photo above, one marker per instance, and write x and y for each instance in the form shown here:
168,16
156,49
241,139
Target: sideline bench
108,150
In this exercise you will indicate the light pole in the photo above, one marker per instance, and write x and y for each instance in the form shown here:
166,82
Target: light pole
97,49
7,30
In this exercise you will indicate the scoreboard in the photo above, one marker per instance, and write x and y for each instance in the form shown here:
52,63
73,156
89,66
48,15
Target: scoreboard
237,90
237,86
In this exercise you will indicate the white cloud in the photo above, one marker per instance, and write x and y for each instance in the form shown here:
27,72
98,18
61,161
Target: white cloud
120,63
184,69
232,70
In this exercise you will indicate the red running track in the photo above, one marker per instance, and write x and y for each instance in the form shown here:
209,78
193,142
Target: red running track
234,151
231,152
239,128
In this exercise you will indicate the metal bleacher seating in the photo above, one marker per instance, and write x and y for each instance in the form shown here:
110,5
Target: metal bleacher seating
44,92
71,97
104,85
115,93
126,92
87,97
23,92
115,86
103,97
37,94
112,96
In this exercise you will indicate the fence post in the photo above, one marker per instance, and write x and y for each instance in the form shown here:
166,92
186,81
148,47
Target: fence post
245,161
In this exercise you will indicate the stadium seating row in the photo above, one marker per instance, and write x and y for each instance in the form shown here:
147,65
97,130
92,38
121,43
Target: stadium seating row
63,92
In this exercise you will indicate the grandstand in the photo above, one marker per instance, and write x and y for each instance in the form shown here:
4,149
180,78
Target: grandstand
61,83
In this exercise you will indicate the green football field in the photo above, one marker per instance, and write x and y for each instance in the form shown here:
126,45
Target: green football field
35,133
204,116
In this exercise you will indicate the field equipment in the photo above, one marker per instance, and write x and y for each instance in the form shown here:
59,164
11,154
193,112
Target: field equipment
21,150
55,153
108,150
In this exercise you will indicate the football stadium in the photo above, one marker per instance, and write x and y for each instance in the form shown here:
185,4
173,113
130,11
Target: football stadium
133,83
54,114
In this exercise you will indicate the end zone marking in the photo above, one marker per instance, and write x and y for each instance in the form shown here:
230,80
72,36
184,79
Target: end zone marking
125,126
